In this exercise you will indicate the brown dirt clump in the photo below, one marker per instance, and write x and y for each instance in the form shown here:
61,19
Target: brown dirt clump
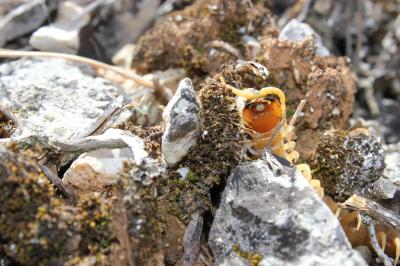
183,38
326,82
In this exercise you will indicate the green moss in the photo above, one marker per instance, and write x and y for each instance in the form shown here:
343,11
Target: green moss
230,33
192,177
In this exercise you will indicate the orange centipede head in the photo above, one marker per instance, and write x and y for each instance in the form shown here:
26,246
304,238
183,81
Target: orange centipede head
262,115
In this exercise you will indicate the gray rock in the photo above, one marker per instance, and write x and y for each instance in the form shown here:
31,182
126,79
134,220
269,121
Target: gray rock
182,122
54,98
365,253
383,188
63,35
277,219
392,161
298,31
25,18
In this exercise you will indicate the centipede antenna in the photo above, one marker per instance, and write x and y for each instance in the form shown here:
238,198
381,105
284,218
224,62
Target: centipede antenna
383,236
297,112
274,132
248,96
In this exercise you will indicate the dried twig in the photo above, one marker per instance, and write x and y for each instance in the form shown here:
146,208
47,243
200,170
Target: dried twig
373,210
83,145
359,17
110,111
5,53
191,240
65,191
304,11
162,94
370,99
297,113
374,242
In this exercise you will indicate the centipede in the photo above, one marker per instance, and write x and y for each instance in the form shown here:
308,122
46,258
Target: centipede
264,120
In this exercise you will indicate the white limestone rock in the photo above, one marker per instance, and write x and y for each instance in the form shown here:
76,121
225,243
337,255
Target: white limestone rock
63,35
298,31
54,98
182,123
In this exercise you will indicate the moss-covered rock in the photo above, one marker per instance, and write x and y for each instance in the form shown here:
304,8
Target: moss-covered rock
347,162
37,227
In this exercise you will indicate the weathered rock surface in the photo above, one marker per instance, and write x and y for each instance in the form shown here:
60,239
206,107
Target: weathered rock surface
349,162
25,18
392,161
95,170
276,220
54,98
63,35
383,188
298,31
182,123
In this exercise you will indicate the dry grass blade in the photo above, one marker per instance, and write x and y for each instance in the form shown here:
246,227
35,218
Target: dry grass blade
373,210
4,53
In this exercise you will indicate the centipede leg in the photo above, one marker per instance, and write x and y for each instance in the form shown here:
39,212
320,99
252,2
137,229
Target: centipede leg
305,170
359,221
289,146
381,235
338,211
397,244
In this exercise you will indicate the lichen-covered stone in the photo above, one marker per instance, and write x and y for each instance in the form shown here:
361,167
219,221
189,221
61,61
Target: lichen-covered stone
270,219
348,162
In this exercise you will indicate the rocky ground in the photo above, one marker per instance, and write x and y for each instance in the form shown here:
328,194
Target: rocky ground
119,144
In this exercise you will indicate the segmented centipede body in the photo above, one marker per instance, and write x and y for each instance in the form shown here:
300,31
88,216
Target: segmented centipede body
264,119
